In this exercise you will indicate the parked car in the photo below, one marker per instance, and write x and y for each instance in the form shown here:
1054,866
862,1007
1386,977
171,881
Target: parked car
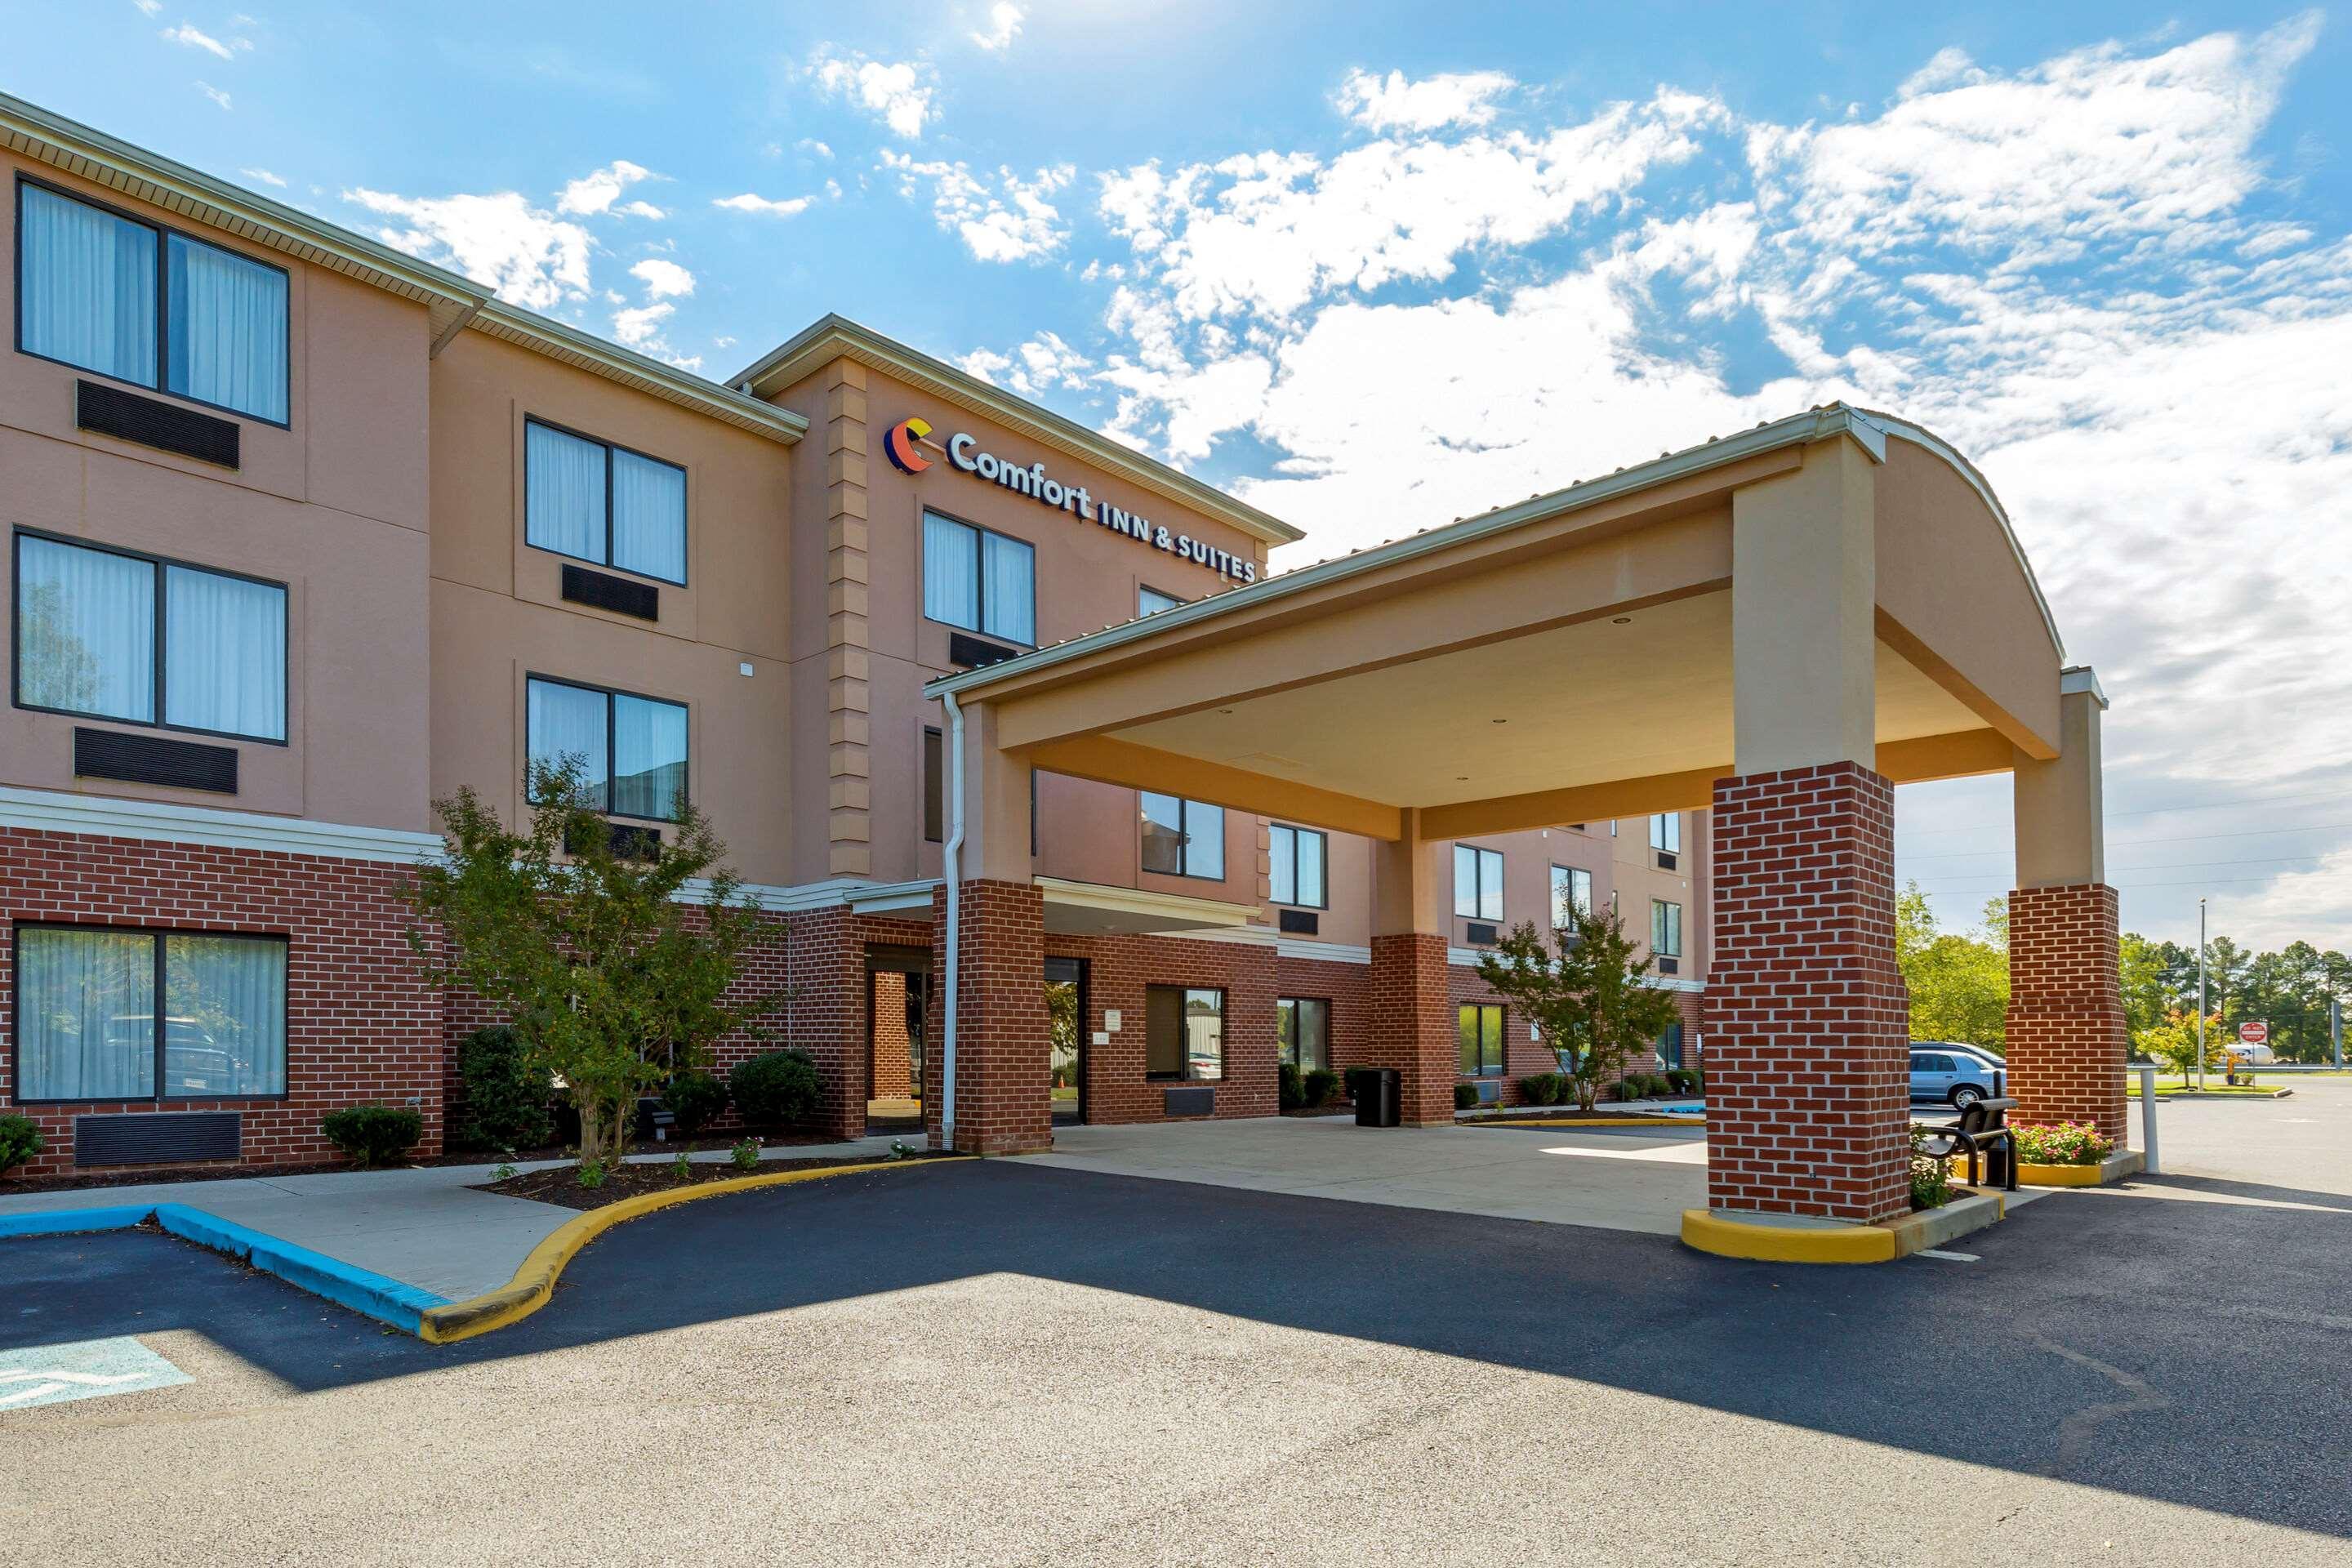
2246,1055
1956,1074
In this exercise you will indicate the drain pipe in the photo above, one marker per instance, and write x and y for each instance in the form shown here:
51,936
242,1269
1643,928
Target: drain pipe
951,863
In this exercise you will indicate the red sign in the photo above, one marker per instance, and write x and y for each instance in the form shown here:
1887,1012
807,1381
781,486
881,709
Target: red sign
2253,1034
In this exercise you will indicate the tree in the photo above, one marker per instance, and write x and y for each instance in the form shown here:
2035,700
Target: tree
2173,1043
2146,997
1958,982
611,978
1586,994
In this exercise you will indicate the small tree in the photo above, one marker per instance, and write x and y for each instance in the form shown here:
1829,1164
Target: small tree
1585,993
2173,1043
611,975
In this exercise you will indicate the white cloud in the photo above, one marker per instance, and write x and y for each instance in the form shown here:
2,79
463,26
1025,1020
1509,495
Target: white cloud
216,94
264,175
1003,26
1393,103
1010,219
748,202
596,191
899,95
187,35
148,7
534,259
639,326
663,279
1040,365
814,148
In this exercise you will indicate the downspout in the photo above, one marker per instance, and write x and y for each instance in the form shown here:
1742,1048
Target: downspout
951,863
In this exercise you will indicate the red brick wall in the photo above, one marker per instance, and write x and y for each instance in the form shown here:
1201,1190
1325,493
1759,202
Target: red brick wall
360,1025
1413,1023
1119,969
1348,988
1805,1023
2067,1043
889,1055
1003,1105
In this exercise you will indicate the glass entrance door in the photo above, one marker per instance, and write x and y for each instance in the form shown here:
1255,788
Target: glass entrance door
897,994
1065,1026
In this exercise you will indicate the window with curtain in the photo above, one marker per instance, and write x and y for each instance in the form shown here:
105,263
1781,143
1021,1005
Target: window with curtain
631,750
1480,1028
1182,837
116,635
1304,1025
89,1028
1572,893
90,298
1667,832
1298,873
601,503
980,580
1666,929
1477,882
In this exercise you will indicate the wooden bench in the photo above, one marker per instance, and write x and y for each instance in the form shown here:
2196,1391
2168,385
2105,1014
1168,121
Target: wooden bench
1982,1129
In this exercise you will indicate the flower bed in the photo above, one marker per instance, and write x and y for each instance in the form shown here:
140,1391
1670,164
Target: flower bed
2061,1144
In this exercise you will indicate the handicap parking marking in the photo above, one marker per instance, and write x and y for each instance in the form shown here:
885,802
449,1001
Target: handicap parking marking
85,1369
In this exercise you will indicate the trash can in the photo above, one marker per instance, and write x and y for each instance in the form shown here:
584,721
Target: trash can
1377,1097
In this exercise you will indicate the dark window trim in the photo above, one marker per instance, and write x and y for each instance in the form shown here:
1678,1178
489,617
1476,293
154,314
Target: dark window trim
1322,903
1184,804
935,832
611,742
156,932
980,585
1478,884
1291,1046
1502,1040
161,650
684,522
1184,1074
1573,872
162,302
1677,950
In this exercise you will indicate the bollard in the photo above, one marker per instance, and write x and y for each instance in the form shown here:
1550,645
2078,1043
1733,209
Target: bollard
2147,1119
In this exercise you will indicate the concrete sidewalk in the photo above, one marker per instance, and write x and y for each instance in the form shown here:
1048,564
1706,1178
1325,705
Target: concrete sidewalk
419,1226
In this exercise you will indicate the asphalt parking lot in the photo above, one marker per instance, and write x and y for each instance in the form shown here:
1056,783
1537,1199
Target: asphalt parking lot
1001,1362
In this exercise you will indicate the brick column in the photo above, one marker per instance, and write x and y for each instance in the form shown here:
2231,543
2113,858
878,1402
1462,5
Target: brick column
2067,1044
1413,1025
1001,1102
1807,1076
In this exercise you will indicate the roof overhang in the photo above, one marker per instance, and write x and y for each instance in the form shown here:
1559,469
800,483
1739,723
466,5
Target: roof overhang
837,337
584,351
1092,908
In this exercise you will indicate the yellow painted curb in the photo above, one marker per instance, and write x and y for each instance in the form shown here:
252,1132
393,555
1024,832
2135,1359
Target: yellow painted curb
1591,1121
2058,1175
534,1281
1708,1230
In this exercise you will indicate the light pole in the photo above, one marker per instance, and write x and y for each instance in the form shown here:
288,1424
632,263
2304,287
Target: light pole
2200,995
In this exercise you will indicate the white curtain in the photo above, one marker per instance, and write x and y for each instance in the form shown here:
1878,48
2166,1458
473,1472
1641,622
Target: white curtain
950,573
85,630
224,654
85,1015
224,1024
648,757
1283,884
228,330
1310,868
1205,840
564,502
87,282
1010,592
648,517
565,720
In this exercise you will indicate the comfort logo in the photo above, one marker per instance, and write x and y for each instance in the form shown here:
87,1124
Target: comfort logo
900,444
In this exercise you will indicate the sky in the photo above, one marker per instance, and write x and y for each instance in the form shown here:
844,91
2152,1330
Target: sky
1373,266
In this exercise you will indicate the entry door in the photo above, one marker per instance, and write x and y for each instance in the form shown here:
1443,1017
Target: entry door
1065,1035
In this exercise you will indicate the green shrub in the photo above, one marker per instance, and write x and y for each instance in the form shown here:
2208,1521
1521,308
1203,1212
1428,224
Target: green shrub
1679,1082
373,1134
1540,1088
1632,1086
505,1103
779,1089
1316,1086
20,1139
1288,1092
2062,1144
1698,1080
1465,1095
1931,1178
746,1154
694,1098
593,1172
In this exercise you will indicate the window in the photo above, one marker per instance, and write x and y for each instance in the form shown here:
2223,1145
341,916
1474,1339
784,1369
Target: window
980,581
1477,882
1182,837
1571,891
632,749
110,635
1666,929
1667,832
140,303
87,1026
1482,1041
1670,1047
595,501
1183,1033
935,789
1305,1025
1151,601
1298,877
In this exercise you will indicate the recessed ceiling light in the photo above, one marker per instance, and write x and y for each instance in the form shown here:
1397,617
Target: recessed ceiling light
1622,621
1499,721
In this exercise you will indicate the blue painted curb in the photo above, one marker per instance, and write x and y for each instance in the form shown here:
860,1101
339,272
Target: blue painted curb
377,1296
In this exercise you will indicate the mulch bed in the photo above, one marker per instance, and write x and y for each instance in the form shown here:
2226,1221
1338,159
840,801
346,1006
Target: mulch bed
560,1185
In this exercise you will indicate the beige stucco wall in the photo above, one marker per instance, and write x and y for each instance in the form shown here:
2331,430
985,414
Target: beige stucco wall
498,614
333,506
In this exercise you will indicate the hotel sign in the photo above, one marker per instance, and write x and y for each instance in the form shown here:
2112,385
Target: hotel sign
904,443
